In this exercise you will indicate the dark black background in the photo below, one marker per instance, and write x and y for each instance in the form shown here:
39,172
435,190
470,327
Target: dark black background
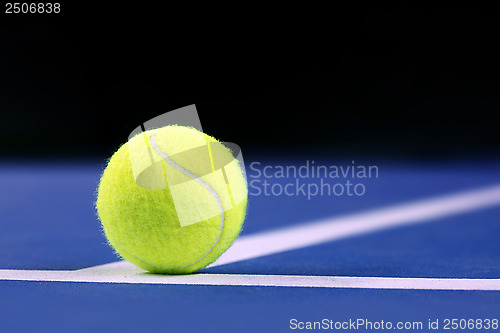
399,81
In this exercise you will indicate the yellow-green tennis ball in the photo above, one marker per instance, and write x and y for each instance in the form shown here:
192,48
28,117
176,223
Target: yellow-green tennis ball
150,209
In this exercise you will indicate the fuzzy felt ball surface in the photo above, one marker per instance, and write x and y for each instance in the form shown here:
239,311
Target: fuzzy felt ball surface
172,200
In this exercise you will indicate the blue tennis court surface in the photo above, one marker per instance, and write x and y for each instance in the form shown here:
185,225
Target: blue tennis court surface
48,223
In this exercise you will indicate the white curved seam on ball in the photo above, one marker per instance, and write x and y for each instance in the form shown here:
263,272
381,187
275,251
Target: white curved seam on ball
202,183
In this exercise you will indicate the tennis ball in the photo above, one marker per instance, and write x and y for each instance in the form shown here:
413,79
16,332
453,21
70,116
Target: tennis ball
172,200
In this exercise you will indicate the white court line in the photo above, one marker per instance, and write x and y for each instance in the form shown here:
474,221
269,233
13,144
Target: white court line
301,236
305,235
315,233
256,280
